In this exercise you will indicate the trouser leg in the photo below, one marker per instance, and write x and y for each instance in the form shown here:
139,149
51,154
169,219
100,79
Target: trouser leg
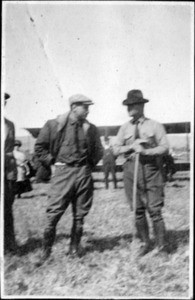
106,175
81,204
9,235
76,235
155,211
48,240
114,177
128,183
142,230
59,198
159,231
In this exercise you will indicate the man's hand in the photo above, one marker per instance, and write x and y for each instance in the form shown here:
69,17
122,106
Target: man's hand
140,141
139,149
138,146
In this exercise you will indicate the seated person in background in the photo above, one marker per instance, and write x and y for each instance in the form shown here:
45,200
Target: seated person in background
22,184
109,164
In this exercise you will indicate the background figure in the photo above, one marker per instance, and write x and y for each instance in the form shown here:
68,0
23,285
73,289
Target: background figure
109,164
73,145
168,166
10,175
148,138
22,184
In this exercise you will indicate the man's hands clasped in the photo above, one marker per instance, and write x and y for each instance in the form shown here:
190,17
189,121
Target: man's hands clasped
138,146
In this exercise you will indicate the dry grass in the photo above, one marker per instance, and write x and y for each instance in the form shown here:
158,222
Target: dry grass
110,267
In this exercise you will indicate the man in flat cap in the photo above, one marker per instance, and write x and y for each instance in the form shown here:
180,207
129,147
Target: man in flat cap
73,145
148,138
10,175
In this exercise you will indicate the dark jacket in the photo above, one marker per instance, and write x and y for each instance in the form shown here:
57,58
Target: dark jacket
50,139
10,162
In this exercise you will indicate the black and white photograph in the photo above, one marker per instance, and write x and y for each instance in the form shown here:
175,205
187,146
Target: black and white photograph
97,150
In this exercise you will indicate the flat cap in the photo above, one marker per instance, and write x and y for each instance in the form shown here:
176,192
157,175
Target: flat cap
80,99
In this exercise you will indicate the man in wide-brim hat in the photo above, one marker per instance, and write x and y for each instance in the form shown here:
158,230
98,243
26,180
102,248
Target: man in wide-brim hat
148,138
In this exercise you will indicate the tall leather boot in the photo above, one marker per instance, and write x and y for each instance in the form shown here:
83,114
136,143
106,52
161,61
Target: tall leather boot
76,234
159,231
10,245
48,240
143,233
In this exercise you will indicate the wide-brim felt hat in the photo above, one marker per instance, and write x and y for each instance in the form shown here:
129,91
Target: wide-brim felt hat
6,96
134,97
80,99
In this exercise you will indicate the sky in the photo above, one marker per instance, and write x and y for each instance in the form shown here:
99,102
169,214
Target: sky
53,50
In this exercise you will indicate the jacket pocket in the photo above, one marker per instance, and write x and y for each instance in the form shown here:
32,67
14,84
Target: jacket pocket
150,138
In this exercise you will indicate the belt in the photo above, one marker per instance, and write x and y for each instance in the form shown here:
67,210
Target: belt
143,159
73,164
147,160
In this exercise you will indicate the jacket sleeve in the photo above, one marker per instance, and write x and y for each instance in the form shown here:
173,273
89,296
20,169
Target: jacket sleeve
95,147
99,151
119,146
42,146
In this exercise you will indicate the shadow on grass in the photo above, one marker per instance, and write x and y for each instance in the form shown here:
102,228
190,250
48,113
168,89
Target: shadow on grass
176,238
30,245
24,197
34,244
107,243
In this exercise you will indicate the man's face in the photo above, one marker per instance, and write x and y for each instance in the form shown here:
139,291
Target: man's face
135,110
81,111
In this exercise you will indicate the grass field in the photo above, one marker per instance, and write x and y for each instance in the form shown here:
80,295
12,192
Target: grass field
110,267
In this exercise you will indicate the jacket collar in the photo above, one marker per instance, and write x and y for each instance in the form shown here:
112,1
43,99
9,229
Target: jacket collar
140,120
63,119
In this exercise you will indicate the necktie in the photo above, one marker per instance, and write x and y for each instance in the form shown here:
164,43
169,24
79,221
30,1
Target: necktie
136,132
77,136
